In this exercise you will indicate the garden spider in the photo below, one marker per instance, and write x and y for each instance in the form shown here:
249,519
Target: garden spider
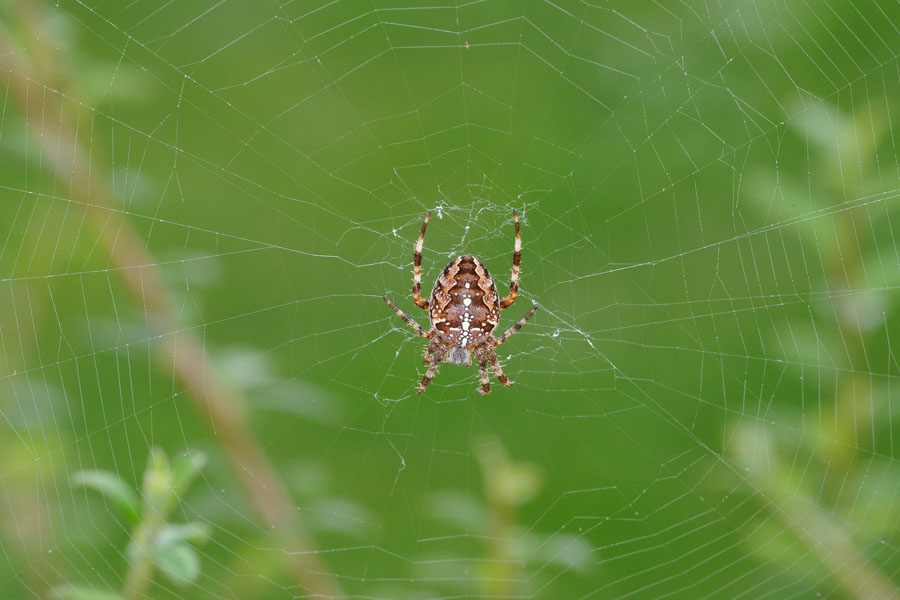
464,310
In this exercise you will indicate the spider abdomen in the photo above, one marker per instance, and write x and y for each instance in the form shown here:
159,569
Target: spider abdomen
464,303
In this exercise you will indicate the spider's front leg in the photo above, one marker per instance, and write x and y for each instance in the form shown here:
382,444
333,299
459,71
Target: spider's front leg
517,259
417,267
515,328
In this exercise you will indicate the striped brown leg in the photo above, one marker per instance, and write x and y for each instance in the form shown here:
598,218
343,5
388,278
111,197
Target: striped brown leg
517,258
432,369
485,379
417,267
498,372
516,327
410,322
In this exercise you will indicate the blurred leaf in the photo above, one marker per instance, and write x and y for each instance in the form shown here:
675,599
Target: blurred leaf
47,397
876,507
455,573
803,343
818,122
566,550
882,269
782,199
302,399
185,469
509,483
177,561
245,368
112,332
459,509
188,532
307,479
864,308
191,270
116,490
157,489
754,450
78,592
115,82
771,542
138,190
859,136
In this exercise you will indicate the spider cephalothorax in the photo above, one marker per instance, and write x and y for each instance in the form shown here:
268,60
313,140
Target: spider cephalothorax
464,310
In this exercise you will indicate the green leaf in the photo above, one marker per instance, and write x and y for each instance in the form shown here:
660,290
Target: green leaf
157,488
246,368
185,470
178,562
565,550
187,532
459,510
79,592
111,486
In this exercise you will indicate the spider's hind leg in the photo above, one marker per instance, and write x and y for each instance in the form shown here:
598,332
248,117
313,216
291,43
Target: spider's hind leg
409,321
498,372
485,379
485,354
433,357
434,348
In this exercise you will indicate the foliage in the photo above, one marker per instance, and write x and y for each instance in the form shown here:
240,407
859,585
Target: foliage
155,543
836,506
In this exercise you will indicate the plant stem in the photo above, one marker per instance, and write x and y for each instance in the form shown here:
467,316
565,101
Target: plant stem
508,485
140,570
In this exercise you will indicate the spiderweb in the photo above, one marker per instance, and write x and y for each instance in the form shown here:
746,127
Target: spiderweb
704,403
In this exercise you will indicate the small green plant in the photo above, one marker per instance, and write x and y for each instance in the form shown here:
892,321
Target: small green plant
156,544
513,560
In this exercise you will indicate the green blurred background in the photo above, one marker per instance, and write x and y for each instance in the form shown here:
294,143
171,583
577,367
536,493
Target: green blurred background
202,394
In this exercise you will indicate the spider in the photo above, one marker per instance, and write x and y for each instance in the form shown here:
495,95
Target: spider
464,310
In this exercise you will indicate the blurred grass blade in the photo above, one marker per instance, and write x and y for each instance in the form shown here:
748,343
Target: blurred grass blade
116,490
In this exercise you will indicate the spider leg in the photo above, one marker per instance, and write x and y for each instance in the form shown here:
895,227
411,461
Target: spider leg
517,258
515,328
435,347
436,356
410,322
417,267
498,372
485,379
